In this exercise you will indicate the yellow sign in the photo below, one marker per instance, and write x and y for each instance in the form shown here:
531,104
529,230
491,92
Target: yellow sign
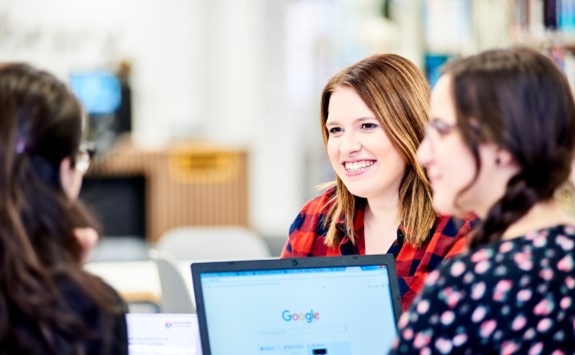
203,165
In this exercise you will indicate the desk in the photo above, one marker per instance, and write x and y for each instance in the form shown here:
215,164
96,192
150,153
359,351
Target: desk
136,281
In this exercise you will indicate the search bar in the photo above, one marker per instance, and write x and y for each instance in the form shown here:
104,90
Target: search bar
305,329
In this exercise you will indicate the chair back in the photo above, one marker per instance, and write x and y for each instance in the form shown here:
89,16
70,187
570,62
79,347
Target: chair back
214,243
176,295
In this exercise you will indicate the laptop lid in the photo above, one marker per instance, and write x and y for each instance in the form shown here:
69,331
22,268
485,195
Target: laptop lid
308,306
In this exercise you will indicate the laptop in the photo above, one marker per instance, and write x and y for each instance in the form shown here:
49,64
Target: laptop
307,306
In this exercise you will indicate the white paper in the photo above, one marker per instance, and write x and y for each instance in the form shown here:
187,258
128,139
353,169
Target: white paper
163,333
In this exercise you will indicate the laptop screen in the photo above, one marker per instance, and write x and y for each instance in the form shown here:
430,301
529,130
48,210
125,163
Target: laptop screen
309,310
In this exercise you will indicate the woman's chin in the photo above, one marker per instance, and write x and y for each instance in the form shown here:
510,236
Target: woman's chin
443,205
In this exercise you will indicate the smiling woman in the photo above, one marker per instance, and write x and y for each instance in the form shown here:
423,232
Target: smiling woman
373,118
360,152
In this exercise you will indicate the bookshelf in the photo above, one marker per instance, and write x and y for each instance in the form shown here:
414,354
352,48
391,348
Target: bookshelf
455,28
548,25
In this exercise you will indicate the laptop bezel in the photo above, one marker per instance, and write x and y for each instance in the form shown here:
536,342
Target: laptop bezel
294,263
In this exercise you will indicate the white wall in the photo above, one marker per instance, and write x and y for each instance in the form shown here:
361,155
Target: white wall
159,37
240,72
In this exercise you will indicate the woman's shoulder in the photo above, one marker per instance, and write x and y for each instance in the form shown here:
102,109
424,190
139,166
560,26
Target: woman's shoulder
532,252
500,264
85,300
450,232
447,238
316,208
453,226
561,230
100,308
320,203
308,227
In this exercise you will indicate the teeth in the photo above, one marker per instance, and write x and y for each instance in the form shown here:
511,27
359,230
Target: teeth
358,165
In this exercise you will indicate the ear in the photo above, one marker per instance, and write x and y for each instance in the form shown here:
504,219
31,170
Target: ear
87,238
503,158
66,173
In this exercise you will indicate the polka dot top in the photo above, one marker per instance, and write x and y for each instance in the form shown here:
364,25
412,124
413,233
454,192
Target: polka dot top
508,297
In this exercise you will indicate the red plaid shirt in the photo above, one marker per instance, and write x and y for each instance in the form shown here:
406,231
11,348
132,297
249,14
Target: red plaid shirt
307,235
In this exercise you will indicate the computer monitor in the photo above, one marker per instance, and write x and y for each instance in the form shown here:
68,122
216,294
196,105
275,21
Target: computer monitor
119,202
98,90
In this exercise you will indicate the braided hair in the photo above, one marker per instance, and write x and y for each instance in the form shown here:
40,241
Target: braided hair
520,100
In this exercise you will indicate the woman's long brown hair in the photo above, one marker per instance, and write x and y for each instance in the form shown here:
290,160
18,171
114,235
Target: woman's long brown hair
40,125
397,93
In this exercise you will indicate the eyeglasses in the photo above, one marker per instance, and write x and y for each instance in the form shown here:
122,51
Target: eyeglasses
84,157
442,128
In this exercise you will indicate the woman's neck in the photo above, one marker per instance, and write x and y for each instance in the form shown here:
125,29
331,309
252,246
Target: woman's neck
380,226
542,215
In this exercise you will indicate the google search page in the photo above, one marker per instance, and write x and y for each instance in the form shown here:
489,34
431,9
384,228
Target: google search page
335,311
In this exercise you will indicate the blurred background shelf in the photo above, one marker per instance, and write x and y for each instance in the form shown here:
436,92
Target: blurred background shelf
145,193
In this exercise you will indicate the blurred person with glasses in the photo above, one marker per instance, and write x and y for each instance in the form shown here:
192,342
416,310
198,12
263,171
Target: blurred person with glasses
500,145
85,156
49,304
87,236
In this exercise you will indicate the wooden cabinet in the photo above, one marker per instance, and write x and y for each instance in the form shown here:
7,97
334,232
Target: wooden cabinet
188,183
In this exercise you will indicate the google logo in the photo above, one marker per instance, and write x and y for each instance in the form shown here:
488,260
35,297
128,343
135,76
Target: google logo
308,316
